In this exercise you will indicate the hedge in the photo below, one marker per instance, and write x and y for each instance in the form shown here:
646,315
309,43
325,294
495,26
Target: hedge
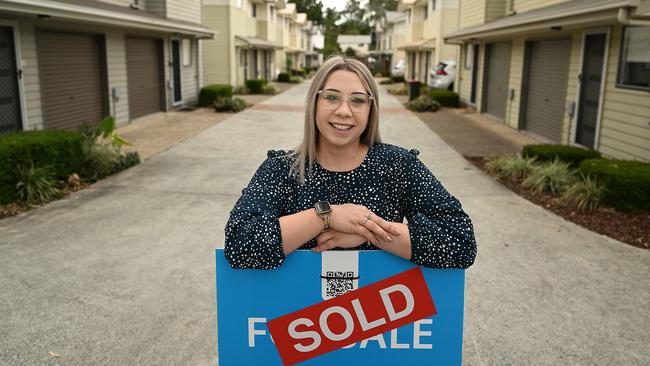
256,86
283,77
627,183
62,151
210,93
570,154
397,79
446,98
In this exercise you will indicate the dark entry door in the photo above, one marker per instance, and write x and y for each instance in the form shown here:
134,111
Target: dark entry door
176,62
474,73
10,114
591,79
497,76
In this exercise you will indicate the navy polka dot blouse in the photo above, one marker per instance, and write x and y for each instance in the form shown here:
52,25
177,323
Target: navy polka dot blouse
391,181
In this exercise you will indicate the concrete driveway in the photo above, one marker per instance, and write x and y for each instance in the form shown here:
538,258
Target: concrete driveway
123,273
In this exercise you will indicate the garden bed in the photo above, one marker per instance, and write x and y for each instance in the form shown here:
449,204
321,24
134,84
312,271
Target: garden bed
629,227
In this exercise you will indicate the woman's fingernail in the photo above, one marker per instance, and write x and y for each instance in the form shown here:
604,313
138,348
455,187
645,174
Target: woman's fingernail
398,232
389,238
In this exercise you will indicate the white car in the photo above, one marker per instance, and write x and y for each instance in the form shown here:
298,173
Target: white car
443,75
398,69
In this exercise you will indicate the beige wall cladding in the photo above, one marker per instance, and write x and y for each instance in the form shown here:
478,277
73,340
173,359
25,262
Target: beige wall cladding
495,9
526,5
218,52
515,79
31,76
186,10
116,69
156,6
472,12
625,123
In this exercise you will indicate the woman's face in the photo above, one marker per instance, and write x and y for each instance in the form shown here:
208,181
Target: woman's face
343,125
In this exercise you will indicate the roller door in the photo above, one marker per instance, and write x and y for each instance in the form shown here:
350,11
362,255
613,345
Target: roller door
72,75
496,79
547,71
144,73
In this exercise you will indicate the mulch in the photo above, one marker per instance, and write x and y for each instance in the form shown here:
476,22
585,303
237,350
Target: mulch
629,227
16,208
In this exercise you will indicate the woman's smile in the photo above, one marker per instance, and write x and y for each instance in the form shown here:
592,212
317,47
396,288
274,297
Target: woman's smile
341,127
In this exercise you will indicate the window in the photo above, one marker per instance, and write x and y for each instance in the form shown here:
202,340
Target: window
408,15
187,52
634,62
272,13
433,5
426,11
469,56
254,10
239,3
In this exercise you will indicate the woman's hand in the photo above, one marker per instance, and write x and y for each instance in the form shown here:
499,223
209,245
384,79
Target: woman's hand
356,219
331,238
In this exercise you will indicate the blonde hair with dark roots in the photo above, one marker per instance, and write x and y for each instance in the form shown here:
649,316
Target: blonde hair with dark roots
305,153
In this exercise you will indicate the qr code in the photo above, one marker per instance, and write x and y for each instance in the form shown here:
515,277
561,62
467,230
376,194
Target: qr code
339,283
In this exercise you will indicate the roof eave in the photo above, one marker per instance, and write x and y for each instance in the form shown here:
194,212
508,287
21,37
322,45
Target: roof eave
84,14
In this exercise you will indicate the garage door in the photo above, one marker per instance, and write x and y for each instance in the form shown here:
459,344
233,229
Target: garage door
72,79
144,73
548,67
496,80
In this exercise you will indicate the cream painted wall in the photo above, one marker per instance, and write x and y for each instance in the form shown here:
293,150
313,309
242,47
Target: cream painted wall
218,53
527,5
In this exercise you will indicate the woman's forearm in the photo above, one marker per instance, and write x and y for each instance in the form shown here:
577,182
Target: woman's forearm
299,228
400,245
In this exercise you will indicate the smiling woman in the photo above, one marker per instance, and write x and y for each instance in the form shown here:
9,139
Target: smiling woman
342,188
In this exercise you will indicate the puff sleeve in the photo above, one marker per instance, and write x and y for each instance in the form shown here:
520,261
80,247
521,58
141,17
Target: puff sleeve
441,233
253,238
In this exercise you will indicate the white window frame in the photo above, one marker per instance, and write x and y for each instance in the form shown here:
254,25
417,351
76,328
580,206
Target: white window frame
621,62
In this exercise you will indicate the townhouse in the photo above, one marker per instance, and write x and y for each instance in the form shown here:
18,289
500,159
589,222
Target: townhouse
360,44
573,72
390,35
66,63
427,21
257,39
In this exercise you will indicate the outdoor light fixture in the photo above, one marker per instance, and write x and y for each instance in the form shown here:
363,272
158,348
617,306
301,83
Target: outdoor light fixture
43,16
556,28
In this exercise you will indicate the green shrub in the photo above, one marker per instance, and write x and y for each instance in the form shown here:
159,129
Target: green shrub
446,98
99,161
35,185
62,151
296,80
627,183
126,161
256,86
397,79
230,105
283,77
570,154
387,81
270,89
210,93
423,104
399,90
551,177
240,89
587,193
516,167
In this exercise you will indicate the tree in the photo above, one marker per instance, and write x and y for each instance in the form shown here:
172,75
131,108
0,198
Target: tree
331,32
376,9
313,9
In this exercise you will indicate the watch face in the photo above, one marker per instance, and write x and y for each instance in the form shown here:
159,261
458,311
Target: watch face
322,207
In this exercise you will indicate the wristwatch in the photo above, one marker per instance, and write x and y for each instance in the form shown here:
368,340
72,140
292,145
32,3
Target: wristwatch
324,210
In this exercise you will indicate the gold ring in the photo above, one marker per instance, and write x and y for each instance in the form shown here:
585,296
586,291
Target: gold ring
366,219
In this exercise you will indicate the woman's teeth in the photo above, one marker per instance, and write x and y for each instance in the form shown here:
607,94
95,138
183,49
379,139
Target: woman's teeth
341,127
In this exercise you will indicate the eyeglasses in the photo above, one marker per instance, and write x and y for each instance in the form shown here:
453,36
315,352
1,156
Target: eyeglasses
332,100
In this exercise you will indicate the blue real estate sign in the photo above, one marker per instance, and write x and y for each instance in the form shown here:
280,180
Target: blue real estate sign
249,299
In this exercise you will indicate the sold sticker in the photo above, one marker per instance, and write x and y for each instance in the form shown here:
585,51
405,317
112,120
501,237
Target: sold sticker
369,311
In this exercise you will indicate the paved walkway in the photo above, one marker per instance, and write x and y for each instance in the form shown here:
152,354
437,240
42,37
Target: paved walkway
123,273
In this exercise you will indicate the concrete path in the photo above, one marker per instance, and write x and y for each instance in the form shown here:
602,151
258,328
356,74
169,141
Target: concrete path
123,273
